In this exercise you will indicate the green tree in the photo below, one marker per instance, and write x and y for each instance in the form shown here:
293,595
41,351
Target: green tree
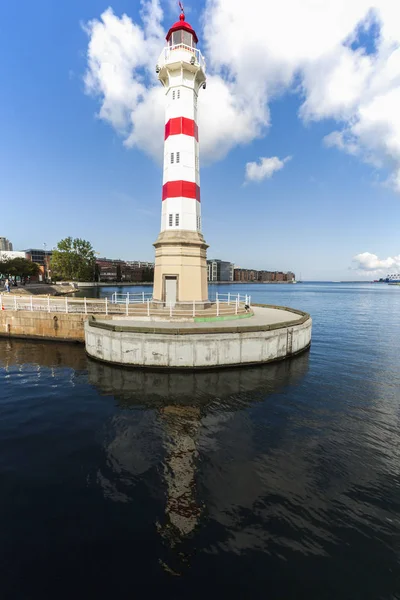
19,267
73,259
4,267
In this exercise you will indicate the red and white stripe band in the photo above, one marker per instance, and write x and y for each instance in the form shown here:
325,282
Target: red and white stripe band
181,189
180,125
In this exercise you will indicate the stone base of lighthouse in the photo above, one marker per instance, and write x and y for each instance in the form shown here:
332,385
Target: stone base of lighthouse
180,273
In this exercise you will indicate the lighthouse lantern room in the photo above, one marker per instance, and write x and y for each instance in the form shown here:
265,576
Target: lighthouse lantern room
180,265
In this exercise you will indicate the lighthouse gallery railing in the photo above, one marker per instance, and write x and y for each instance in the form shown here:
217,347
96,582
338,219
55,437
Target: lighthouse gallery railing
173,52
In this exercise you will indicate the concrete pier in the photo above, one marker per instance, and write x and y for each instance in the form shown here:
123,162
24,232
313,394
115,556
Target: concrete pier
270,333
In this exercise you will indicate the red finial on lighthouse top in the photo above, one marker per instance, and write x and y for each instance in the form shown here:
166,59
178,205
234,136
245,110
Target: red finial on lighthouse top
182,25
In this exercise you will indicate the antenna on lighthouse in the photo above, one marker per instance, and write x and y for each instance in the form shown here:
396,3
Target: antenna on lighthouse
182,9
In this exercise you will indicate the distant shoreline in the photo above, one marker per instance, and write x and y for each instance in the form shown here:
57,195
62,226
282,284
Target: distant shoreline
252,282
92,284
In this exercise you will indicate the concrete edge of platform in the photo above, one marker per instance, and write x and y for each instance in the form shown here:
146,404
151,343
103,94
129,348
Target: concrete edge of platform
150,329
201,367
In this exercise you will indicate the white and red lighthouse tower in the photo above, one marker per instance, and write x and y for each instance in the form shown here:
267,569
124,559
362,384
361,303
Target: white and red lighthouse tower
181,266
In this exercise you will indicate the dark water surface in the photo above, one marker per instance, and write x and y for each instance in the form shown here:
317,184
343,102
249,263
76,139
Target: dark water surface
276,482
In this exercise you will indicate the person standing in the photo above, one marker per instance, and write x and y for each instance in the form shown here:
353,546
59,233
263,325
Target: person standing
7,285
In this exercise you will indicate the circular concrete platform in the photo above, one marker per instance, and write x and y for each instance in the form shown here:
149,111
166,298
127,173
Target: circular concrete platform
269,333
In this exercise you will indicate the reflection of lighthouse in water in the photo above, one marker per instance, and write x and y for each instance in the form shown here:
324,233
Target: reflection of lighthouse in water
167,420
181,425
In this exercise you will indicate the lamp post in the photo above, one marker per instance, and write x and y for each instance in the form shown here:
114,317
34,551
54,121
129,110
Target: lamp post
46,268
94,266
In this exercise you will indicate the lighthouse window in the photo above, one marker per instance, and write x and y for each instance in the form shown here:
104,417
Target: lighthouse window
170,222
177,220
178,94
173,95
182,37
178,157
176,38
172,158
187,38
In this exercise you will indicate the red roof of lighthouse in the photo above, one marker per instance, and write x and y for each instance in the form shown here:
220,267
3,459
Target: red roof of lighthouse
182,24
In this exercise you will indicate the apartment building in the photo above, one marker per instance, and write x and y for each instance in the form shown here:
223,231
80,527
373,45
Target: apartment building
220,270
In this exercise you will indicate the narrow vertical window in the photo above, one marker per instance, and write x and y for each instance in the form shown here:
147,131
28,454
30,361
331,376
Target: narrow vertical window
170,220
173,95
178,157
172,158
178,94
177,220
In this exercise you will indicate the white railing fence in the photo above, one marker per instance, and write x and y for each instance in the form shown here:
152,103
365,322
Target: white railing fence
141,298
128,305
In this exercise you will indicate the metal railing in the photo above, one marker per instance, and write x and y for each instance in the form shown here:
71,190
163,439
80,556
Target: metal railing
131,298
171,53
57,304
130,305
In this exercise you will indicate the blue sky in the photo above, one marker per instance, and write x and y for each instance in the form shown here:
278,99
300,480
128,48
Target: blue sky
65,171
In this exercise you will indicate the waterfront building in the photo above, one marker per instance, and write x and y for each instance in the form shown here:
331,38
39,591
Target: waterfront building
42,257
266,276
263,276
108,269
220,270
11,254
245,275
39,256
141,264
180,263
5,244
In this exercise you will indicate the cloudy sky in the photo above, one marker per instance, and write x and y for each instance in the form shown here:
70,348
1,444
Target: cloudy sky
299,129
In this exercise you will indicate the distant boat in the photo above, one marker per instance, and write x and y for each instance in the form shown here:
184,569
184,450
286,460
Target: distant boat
393,278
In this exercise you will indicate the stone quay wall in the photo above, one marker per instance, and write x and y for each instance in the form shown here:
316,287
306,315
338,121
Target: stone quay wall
42,325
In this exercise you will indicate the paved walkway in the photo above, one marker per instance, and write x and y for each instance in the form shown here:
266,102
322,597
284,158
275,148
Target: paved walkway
262,317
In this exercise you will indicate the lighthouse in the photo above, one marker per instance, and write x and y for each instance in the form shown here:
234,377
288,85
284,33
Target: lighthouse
180,274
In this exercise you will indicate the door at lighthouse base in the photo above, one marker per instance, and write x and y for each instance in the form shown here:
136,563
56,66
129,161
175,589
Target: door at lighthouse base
170,290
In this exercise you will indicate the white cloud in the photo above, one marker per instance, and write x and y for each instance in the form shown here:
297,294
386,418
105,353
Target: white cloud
314,47
121,58
339,139
372,264
264,168
256,54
